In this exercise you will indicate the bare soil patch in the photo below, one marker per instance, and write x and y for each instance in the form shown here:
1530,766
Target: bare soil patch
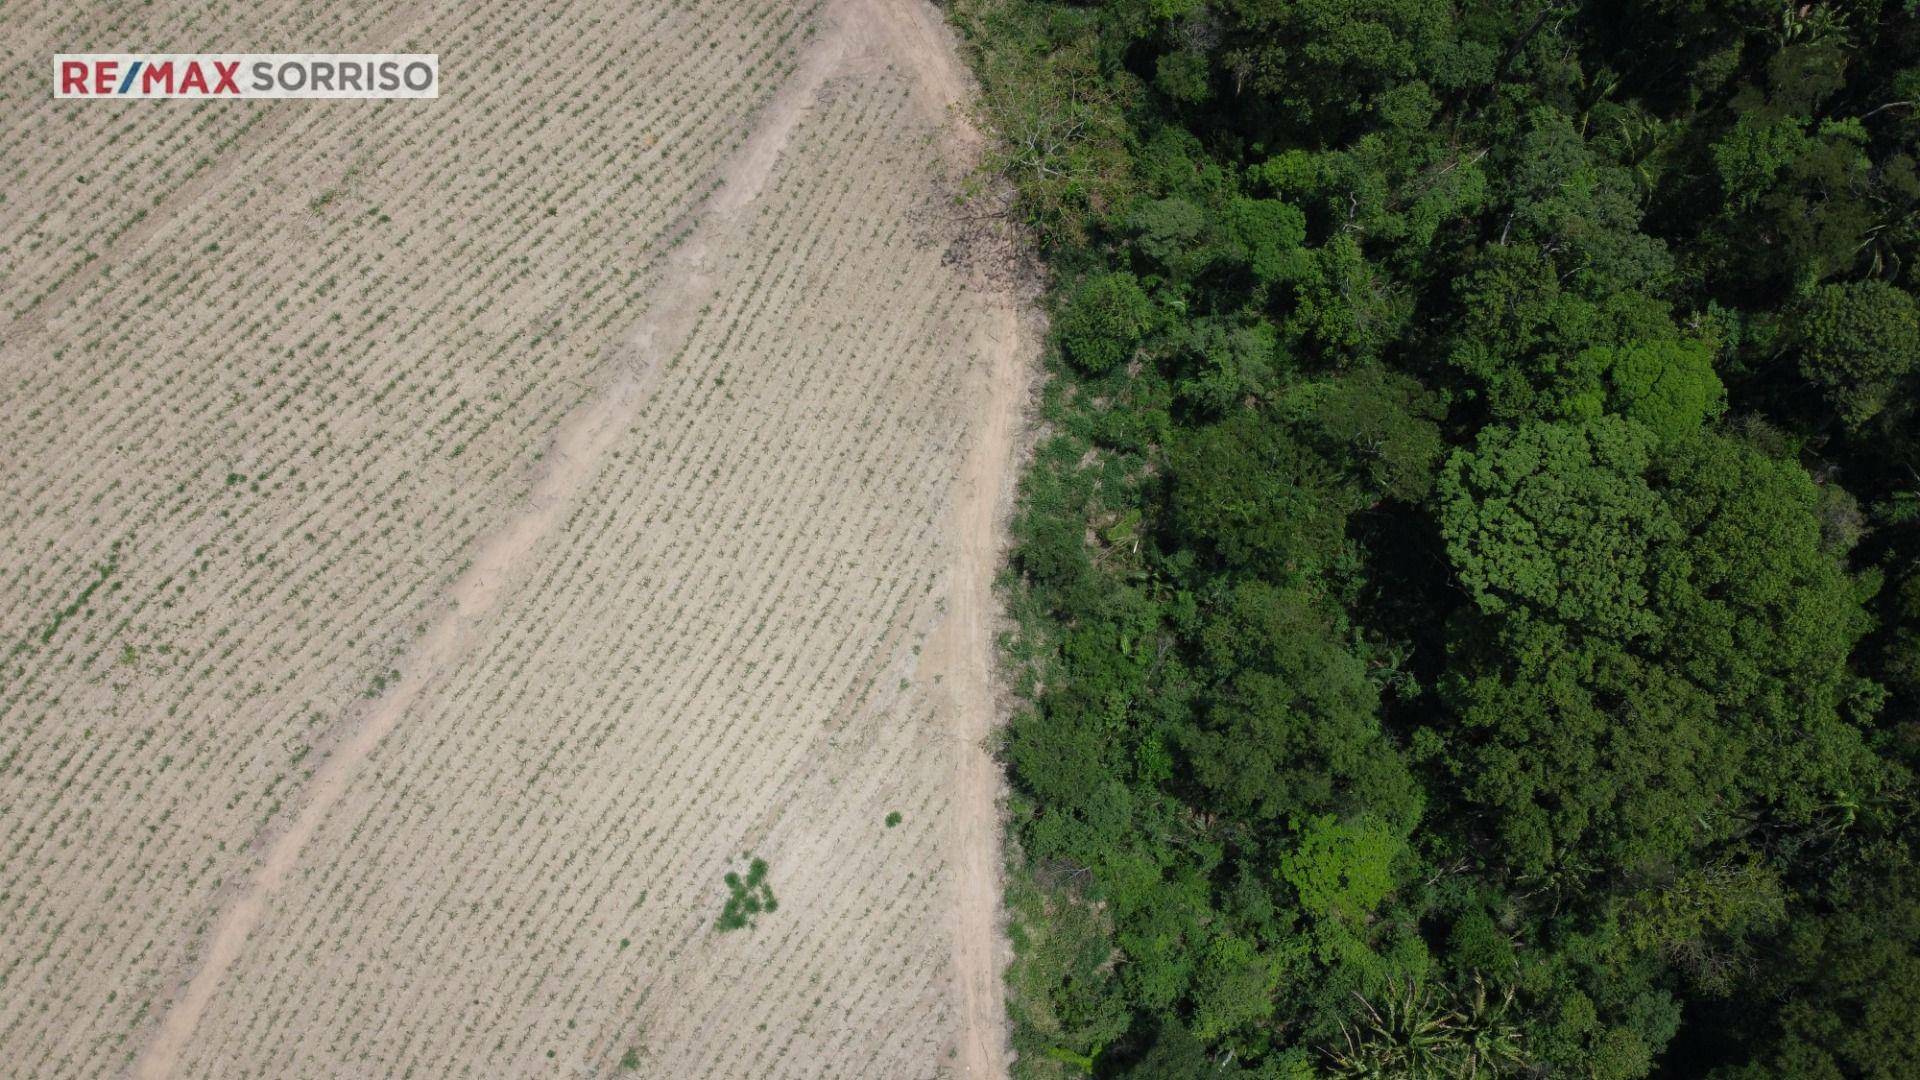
496,524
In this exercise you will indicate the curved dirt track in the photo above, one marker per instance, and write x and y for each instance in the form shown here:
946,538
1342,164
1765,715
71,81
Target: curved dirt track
986,486
723,400
584,438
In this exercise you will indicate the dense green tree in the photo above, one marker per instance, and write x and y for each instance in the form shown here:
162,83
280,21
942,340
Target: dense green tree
1264,237
1294,729
1465,591
1855,342
1557,521
1104,320
1537,349
1258,496
1580,210
1321,61
1383,427
1666,386
1347,305
1589,759
1848,984
1224,363
1759,613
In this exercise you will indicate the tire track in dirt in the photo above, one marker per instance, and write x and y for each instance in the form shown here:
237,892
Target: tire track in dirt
579,444
966,654
965,648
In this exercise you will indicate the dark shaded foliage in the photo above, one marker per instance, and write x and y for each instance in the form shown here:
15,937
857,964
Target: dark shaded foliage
1470,591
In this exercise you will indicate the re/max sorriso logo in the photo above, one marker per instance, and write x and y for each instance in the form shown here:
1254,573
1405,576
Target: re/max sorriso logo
244,76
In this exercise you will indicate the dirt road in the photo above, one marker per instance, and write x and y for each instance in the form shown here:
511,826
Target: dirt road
918,37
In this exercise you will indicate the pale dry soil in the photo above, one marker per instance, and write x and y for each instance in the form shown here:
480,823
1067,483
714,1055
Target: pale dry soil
445,540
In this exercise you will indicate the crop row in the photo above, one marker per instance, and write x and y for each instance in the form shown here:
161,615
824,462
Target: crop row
260,441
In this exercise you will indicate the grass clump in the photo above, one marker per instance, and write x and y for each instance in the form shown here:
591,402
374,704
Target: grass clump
747,897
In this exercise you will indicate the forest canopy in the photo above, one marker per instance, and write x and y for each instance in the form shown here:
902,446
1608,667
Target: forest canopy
1467,585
